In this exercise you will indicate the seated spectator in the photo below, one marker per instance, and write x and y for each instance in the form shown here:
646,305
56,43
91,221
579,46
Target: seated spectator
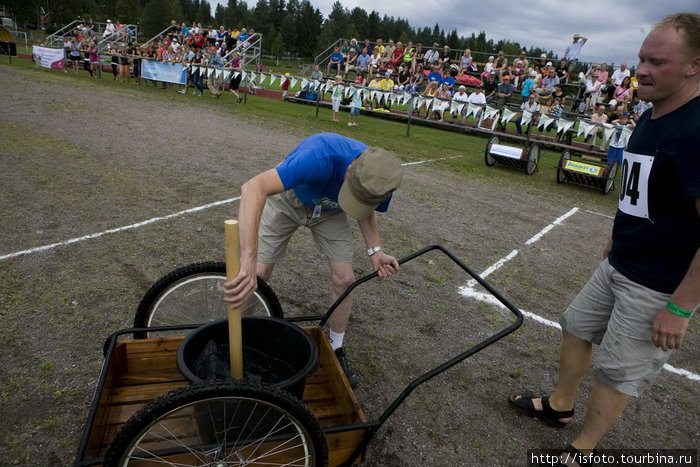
367,47
562,70
623,92
355,46
415,85
465,64
350,63
403,79
445,56
548,82
505,90
109,29
462,97
362,62
374,62
432,55
500,66
491,88
590,94
430,92
345,49
447,78
242,37
374,83
418,57
380,48
528,86
408,52
388,52
603,76
434,74
445,95
599,116
616,79
360,78
488,68
477,98
212,36
317,74
523,58
559,94
638,106
517,71
530,105
396,58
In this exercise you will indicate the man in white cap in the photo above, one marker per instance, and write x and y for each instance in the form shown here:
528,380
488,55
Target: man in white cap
324,179
573,50
109,29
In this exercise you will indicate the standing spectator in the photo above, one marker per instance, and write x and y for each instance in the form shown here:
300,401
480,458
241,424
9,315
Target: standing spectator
336,97
95,68
617,142
73,46
197,61
136,59
351,179
573,51
505,90
236,75
355,106
214,79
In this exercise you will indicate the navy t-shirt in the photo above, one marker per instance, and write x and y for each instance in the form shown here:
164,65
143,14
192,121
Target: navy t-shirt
316,168
657,229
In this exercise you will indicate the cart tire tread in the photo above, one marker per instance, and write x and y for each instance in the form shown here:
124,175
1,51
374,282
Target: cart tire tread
269,396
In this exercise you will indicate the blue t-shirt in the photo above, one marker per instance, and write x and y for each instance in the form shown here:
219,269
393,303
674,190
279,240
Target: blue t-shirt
449,80
657,229
337,57
435,76
316,168
528,84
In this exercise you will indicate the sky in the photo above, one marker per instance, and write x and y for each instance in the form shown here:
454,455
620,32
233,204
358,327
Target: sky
615,28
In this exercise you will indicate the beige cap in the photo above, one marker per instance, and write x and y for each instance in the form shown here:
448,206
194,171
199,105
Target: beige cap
372,177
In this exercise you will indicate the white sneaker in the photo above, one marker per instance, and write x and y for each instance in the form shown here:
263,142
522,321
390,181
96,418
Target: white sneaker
350,124
194,93
181,91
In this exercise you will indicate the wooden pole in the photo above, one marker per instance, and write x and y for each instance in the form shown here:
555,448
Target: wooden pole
235,335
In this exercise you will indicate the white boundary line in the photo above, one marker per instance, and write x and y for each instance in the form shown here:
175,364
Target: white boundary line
156,219
118,229
469,291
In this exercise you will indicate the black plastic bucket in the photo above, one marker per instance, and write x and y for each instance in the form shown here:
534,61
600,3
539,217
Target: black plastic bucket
274,352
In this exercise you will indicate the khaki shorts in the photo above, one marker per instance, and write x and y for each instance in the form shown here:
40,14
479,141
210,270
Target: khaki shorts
618,314
284,214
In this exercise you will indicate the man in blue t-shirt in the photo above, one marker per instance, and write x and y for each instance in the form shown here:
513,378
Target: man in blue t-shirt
638,303
324,178
335,62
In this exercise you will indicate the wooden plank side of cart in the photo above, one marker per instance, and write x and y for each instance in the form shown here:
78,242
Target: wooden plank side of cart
142,370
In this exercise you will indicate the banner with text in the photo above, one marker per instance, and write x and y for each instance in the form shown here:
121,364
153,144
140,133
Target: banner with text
167,72
49,58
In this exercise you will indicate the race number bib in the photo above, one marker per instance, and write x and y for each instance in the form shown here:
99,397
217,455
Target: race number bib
634,184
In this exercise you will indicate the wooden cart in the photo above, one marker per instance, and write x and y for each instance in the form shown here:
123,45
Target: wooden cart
139,373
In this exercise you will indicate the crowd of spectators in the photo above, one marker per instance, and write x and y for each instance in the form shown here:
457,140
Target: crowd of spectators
436,73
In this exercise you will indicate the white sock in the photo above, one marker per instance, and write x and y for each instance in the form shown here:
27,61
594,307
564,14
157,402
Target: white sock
336,340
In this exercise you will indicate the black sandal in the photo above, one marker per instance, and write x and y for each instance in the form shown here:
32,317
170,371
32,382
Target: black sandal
548,415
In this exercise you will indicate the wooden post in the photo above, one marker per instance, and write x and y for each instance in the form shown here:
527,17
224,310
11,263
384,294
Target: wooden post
235,335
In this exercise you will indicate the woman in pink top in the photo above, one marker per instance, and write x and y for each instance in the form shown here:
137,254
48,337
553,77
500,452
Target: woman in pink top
624,91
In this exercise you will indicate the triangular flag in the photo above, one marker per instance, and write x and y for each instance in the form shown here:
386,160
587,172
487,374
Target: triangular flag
564,125
507,115
545,121
293,82
584,128
608,130
526,117
304,83
490,112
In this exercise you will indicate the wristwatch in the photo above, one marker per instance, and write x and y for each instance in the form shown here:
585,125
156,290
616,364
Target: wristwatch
373,250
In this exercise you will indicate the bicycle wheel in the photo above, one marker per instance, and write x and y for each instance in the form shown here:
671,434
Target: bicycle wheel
192,295
221,423
609,182
561,174
533,157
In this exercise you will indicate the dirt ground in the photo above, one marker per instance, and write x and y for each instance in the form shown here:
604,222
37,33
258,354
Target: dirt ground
82,160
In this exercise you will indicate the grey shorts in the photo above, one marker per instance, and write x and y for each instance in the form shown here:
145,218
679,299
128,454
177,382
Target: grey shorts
617,314
284,214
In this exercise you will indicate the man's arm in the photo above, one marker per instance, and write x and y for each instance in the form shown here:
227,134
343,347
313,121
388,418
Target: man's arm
384,264
254,192
669,329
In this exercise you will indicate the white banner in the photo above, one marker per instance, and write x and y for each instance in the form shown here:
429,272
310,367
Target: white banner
166,72
49,58
507,115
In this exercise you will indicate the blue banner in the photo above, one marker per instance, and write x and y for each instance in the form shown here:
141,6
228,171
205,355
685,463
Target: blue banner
167,72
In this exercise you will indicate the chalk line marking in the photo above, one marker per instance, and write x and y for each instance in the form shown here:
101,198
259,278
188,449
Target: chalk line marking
469,292
118,229
155,219
599,214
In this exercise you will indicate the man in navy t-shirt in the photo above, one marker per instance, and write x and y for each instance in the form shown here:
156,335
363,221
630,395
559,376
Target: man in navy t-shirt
324,178
637,306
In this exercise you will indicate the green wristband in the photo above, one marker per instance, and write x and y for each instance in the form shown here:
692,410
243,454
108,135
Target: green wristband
676,310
